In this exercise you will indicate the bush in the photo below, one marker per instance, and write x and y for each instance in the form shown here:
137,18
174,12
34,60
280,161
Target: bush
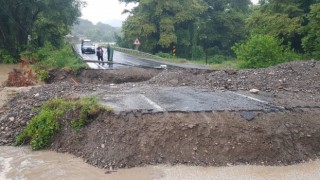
198,53
49,57
40,130
165,55
61,58
5,57
262,51
216,59
46,124
43,75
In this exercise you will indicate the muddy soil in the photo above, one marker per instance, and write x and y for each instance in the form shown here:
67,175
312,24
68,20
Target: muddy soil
138,138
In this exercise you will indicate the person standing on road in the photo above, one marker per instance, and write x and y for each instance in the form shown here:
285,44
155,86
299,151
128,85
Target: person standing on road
108,52
100,54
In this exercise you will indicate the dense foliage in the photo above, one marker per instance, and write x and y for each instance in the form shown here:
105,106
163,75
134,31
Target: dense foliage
99,32
208,29
49,57
33,23
262,51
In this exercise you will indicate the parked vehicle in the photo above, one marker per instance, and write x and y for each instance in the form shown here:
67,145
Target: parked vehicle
87,46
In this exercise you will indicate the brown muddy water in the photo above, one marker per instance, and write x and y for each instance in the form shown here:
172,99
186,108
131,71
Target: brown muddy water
20,163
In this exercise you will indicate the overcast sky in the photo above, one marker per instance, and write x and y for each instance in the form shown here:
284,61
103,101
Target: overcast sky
108,11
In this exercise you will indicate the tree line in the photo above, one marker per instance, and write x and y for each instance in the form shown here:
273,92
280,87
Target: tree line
260,35
100,32
226,28
32,23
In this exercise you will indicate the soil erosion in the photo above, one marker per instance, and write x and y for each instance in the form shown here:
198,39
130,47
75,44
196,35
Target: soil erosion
210,138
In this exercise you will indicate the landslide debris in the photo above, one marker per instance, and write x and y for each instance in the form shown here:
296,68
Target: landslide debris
206,138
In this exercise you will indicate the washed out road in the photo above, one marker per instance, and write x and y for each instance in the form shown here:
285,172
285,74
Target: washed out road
187,99
171,99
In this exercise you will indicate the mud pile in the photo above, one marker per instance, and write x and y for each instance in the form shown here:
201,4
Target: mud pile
294,76
205,138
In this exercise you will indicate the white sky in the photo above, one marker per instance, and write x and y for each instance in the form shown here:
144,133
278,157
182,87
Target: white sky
105,11
108,11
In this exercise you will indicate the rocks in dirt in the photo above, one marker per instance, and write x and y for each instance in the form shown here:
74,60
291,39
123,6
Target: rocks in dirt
293,76
254,91
11,119
249,116
125,138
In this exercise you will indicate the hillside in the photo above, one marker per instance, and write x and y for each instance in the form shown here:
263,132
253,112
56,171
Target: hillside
95,32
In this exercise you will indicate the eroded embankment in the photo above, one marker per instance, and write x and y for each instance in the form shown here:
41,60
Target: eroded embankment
208,138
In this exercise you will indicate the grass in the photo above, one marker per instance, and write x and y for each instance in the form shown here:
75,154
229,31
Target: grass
229,64
49,57
42,128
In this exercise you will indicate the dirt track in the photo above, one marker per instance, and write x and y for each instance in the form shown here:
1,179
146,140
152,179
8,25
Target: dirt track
208,138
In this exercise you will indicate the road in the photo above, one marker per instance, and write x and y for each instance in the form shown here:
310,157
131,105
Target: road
183,99
122,60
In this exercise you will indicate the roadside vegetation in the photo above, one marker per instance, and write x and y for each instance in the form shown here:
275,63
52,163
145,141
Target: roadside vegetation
42,128
226,33
33,33
49,57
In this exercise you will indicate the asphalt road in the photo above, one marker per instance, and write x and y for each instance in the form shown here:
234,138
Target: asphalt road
178,99
183,99
122,60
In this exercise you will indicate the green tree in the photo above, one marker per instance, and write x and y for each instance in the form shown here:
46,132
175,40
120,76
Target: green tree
222,25
311,42
193,25
283,19
156,23
35,20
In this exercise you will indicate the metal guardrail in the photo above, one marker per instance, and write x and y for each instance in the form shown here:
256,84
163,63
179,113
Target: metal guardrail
77,54
136,52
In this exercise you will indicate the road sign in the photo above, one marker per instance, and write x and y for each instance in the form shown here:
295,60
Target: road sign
174,50
136,42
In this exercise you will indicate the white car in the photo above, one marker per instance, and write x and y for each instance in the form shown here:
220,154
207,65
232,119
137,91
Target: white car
87,46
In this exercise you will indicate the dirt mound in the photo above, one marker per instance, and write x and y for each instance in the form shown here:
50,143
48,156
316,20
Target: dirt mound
96,76
295,76
204,138
136,139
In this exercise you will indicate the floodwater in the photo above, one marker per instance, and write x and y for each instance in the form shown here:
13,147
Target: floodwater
20,163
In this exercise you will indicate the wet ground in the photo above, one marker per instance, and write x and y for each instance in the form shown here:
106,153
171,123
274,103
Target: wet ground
122,60
22,163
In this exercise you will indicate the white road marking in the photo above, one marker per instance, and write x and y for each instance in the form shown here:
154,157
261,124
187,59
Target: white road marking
252,98
95,66
256,99
155,105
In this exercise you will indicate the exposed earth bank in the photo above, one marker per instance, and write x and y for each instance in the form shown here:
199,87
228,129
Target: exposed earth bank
136,138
